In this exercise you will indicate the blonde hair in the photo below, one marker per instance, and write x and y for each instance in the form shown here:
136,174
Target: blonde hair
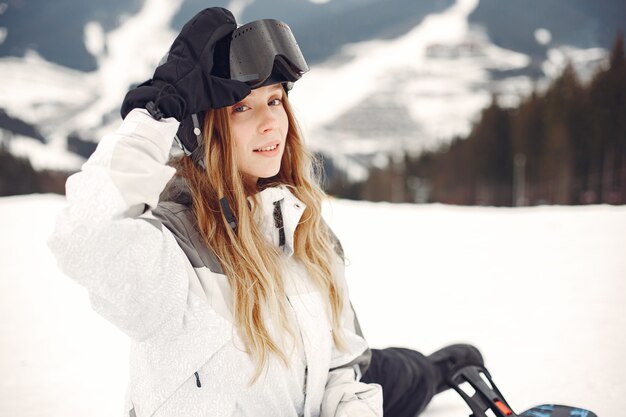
251,264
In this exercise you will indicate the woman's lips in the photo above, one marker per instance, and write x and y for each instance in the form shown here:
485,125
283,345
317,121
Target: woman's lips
270,150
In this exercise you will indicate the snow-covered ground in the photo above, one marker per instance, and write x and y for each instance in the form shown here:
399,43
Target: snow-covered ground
541,291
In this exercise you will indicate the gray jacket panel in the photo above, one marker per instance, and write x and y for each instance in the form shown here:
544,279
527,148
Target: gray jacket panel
180,220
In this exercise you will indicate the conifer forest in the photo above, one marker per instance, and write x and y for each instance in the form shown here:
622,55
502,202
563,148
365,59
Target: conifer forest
565,145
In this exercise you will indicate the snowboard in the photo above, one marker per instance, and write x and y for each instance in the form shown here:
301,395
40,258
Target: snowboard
555,410
475,385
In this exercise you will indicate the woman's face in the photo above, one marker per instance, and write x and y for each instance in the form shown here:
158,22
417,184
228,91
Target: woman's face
259,127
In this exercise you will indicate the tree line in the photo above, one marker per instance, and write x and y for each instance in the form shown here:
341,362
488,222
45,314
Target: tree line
17,176
565,145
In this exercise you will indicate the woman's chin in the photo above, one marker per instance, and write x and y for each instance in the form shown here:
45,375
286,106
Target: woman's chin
269,173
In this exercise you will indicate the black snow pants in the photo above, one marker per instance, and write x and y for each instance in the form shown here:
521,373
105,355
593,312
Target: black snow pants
408,378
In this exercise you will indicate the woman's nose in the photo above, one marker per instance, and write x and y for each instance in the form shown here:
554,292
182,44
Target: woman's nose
267,120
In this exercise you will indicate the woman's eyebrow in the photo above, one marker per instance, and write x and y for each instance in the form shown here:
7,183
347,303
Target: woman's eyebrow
276,87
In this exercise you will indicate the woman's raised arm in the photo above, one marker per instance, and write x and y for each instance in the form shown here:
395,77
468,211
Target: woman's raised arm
105,238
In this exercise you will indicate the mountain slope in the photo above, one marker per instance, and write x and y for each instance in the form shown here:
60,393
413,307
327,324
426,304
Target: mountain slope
56,29
385,74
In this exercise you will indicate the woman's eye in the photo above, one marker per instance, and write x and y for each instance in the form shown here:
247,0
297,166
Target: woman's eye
240,108
276,102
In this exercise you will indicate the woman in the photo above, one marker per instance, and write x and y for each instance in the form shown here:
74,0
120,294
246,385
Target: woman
219,265
231,287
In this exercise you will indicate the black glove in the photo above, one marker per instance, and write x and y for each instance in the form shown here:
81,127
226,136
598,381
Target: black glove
184,85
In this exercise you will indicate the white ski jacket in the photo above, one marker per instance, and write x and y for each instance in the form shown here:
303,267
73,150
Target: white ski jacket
146,273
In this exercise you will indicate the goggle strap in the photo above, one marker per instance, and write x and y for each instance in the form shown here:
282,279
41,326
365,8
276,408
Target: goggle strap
181,146
196,128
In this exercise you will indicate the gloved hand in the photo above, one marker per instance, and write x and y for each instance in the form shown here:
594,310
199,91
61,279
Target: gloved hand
183,85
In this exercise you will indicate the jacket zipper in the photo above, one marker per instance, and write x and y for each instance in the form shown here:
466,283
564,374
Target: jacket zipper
279,223
306,366
198,384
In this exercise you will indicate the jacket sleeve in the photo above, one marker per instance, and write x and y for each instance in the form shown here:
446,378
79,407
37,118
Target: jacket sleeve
105,238
345,395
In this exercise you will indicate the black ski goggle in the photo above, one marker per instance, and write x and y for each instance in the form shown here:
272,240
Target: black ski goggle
265,52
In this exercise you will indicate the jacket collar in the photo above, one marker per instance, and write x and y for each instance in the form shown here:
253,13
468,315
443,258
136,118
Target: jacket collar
290,210
276,208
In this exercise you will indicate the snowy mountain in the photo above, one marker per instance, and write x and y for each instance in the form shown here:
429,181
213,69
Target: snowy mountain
385,75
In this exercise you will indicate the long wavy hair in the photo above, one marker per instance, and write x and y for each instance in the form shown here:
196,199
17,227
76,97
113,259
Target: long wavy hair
251,264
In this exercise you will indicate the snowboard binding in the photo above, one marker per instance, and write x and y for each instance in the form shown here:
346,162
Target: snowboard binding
475,385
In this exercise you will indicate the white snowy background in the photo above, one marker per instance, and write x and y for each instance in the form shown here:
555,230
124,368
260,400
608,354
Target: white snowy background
541,291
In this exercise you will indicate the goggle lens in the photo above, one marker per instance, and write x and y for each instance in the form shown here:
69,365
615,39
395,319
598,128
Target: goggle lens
263,47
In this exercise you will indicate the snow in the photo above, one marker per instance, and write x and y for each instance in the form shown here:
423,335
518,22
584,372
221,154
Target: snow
94,38
34,89
3,30
133,55
62,101
584,60
372,60
438,71
46,94
543,36
41,155
541,291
